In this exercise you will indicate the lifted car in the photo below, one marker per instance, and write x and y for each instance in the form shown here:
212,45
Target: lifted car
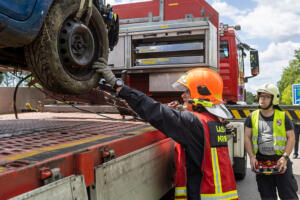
57,40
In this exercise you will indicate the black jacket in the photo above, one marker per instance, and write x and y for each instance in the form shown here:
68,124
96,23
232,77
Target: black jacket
183,126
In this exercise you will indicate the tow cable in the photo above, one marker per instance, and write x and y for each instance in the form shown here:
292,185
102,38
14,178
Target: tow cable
15,94
81,10
109,97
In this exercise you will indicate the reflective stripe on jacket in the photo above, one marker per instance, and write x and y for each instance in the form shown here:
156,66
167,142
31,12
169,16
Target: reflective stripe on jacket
180,175
218,180
279,133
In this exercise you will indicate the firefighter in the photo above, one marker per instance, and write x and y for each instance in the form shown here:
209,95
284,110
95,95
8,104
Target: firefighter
199,131
269,136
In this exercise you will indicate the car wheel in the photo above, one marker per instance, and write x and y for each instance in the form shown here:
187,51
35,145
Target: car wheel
61,56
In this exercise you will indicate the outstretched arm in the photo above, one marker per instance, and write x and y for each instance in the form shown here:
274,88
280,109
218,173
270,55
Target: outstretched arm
182,126
173,123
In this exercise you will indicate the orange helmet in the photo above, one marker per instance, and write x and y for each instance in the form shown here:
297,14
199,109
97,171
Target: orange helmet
204,84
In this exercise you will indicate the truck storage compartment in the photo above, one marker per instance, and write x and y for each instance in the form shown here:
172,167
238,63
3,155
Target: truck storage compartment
167,44
169,52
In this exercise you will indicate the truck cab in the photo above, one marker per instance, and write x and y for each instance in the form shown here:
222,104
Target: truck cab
232,64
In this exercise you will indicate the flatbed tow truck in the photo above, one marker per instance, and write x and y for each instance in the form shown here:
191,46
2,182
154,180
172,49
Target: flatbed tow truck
64,156
47,155
87,156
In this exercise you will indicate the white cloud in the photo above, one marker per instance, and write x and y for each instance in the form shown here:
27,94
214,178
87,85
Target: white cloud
269,22
273,19
227,10
279,51
270,72
285,5
272,62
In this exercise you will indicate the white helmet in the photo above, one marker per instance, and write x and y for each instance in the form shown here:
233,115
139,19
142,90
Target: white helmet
269,88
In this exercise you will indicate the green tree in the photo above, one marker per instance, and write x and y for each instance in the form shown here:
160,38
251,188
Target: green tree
250,98
286,97
10,79
290,76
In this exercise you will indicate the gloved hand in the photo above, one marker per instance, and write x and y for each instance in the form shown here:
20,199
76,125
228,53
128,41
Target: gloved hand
176,105
100,65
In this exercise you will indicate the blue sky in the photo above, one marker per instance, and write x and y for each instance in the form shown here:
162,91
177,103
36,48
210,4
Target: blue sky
271,26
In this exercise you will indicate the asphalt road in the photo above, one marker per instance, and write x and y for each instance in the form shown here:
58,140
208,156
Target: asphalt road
247,188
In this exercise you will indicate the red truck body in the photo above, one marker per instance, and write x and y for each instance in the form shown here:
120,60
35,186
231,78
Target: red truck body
232,74
73,143
173,9
231,70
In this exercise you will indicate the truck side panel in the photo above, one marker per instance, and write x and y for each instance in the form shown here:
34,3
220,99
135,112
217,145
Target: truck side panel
72,187
144,174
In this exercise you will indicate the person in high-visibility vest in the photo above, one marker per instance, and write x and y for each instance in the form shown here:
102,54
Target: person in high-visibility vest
198,130
269,135
297,132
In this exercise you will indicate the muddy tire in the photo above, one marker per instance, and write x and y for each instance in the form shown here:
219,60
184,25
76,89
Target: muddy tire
51,57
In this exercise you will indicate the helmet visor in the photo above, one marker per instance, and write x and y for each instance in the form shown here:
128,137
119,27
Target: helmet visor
179,87
219,110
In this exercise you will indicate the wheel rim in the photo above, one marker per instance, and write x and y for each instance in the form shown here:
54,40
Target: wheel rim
76,49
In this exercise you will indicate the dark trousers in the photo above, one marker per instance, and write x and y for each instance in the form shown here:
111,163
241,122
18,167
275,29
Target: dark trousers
285,184
297,132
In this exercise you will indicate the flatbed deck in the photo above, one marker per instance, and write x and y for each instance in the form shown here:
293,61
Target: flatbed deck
58,140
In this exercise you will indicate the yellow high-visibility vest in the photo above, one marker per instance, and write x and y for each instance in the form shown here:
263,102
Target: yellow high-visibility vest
279,133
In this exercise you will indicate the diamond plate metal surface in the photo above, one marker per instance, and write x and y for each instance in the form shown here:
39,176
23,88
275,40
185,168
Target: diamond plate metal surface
19,136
